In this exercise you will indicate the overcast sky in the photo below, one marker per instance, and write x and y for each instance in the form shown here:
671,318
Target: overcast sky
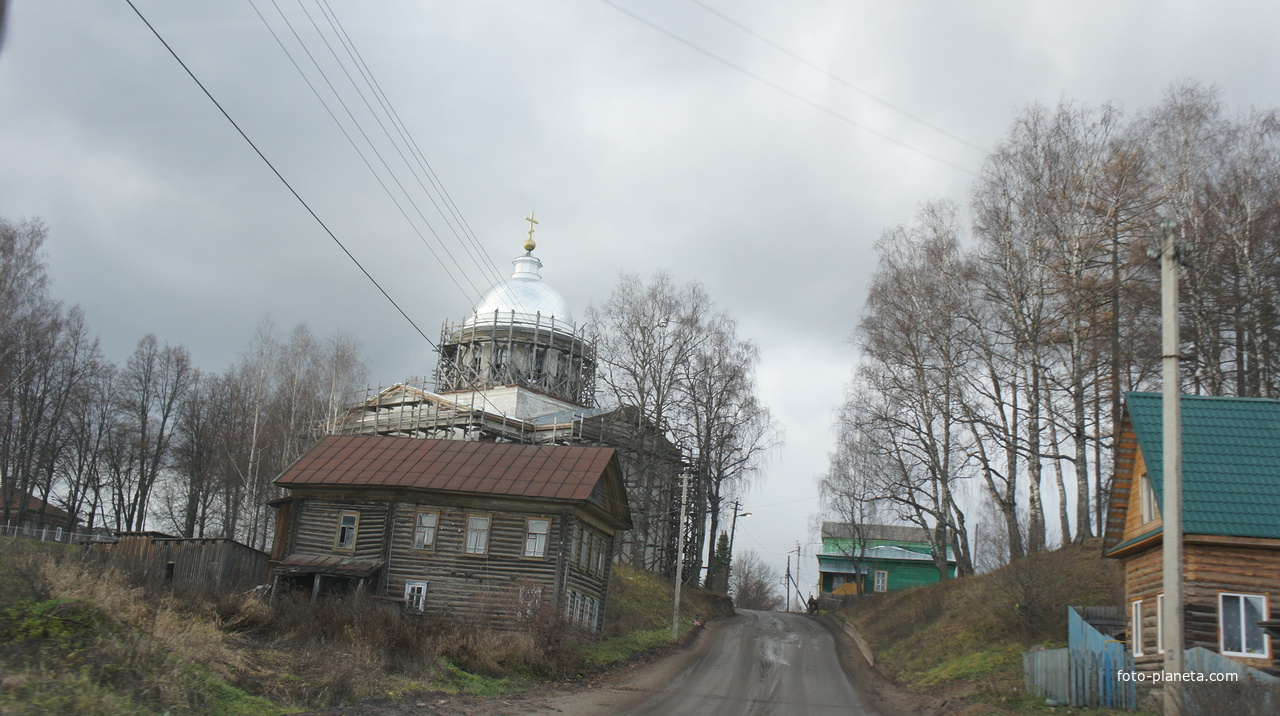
715,157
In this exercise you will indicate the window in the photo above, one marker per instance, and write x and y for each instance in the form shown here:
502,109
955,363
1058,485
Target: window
1238,617
535,540
582,547
1148,499
1160,623
600,556
415,597
347,524
882,580
424,530
1135,631
478,534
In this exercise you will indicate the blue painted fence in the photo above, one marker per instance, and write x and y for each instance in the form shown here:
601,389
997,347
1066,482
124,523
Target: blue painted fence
1086,673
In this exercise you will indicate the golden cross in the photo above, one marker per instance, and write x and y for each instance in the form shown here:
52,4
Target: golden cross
529,245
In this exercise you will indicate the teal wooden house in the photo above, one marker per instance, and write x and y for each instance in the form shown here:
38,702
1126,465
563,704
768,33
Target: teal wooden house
876,558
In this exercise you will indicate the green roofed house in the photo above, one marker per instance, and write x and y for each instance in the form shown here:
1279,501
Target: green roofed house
875,558
1230,519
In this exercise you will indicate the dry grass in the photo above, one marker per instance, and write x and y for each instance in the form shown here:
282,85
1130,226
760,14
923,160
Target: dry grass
974,630
81,636
77,638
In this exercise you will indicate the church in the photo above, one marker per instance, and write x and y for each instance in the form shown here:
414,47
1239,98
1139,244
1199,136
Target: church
520,369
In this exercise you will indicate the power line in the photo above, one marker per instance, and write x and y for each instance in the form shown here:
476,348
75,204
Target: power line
413,145
337,95
279,176
367,77
837,78
794,95
467,237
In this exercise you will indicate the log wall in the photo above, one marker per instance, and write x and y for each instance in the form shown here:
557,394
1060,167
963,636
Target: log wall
1208,570
572,574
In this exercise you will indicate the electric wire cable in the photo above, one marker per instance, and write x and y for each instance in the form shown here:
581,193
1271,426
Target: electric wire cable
480,253
279,176
363,134
798,58
385,132
790,93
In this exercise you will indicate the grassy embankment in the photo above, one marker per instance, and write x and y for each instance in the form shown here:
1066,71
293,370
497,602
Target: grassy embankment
79,637
965,637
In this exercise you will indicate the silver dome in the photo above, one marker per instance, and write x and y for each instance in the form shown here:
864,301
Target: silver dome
523,298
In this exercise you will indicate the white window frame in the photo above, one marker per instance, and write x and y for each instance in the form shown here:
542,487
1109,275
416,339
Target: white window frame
420,531
535,542
600,556
1147,497
1135,631
882,580
346,545
415,596
1160,623
478,538
1244,640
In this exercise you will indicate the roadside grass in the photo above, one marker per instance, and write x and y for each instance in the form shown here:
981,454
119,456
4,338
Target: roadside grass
78,636
967,635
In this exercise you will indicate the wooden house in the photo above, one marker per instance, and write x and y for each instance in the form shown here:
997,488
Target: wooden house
28,512
876,558
1231,525
487,531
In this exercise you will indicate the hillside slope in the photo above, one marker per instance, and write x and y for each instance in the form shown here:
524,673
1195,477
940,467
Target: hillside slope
966,636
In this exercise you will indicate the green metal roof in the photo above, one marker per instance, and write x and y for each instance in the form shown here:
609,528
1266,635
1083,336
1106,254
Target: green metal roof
1230,461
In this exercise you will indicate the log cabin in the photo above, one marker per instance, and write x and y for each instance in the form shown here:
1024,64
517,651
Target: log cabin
1231,525
484,531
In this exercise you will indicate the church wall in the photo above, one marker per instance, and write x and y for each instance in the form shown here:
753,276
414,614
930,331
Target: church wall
480,357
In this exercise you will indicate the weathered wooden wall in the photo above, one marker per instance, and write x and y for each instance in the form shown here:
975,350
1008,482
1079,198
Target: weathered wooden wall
316,530
201,564
482,587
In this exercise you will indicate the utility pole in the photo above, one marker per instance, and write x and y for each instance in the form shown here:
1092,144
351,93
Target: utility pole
675,612
733,532
799,596
786,582
1172,469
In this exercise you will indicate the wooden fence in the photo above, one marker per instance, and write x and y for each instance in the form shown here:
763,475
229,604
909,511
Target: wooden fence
1086,673
199,564
1250,691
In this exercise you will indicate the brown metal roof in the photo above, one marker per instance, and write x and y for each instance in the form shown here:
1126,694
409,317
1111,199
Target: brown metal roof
554,472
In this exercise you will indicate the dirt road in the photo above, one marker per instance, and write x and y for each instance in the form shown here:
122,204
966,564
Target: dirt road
756,663
761,663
